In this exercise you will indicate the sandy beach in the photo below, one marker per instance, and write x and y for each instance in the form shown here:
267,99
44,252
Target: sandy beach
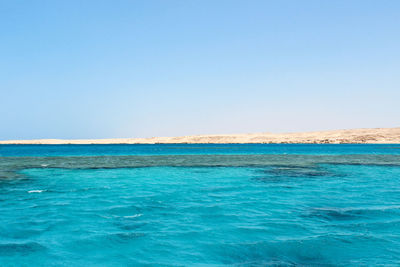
353,136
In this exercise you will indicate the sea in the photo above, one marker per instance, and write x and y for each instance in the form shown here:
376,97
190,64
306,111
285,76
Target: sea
200,205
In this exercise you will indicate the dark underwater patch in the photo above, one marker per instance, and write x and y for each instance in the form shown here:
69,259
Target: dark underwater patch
344,214
332,214
12,249
11,167
295,171
273,253
131,226
282,172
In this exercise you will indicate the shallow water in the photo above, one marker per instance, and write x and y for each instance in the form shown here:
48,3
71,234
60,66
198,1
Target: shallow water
306,208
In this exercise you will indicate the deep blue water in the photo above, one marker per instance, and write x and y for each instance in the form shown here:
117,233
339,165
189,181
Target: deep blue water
187,149
184,205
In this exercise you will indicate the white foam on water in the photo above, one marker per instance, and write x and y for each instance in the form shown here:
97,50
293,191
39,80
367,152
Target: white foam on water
35,191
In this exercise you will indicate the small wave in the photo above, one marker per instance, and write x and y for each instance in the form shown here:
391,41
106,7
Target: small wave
359,209
133,216
44,165
35,191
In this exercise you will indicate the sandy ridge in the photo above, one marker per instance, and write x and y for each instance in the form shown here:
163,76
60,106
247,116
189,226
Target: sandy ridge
367,136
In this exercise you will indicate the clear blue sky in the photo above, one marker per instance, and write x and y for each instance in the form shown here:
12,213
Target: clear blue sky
97,69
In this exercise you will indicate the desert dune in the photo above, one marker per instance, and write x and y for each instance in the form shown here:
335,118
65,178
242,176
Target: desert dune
353,136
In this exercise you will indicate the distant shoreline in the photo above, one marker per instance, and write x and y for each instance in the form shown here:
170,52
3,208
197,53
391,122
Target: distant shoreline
353,136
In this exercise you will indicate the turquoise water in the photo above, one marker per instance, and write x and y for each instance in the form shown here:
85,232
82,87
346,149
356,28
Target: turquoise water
326,205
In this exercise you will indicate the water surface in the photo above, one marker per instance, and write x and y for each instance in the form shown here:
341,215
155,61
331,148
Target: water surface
279,205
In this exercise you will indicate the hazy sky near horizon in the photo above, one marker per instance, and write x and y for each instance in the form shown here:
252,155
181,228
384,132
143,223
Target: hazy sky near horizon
98,69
